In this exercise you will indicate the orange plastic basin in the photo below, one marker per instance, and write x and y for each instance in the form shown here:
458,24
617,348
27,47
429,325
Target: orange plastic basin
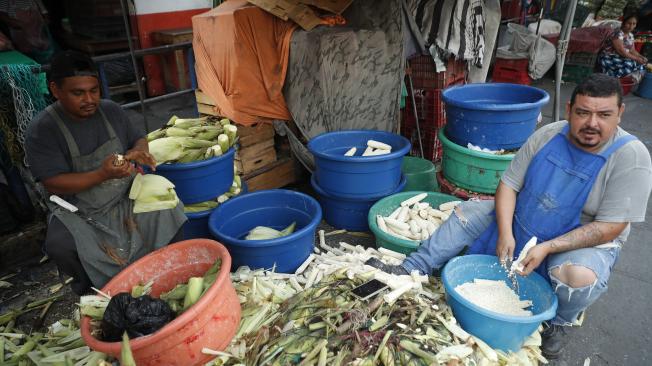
211,322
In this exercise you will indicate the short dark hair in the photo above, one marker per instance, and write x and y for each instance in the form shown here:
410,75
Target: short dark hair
599,86
626,17
71,63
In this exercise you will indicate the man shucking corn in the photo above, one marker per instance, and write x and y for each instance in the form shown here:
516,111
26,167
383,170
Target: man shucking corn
73,149
575,185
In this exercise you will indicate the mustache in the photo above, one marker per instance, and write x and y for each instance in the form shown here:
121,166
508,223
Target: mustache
590,130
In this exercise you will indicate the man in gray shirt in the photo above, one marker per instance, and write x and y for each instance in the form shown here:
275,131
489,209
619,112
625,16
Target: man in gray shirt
574,185
72,150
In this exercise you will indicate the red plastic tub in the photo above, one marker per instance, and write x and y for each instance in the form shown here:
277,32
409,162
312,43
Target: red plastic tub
211,322
627,83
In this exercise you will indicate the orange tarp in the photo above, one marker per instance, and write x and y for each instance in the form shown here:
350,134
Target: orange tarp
241,55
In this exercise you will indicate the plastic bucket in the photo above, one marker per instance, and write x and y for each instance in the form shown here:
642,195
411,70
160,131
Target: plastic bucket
362,176
348,213
387,205
504,332
645,88
275,208
211,322
494,116
197,224
420,174
202,180
473,170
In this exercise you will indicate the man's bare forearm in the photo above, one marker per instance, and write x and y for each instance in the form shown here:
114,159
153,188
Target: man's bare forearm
505,205
72,183
585,236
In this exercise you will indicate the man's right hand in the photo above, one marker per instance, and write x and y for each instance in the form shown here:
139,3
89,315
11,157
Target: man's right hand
505,247
111,171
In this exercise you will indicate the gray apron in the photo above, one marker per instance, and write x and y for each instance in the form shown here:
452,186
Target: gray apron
131,235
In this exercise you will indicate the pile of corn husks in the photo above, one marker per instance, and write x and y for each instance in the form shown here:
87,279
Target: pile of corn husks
61,345
187,140
312,318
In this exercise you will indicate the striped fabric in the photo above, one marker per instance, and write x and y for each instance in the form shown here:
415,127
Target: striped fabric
455,27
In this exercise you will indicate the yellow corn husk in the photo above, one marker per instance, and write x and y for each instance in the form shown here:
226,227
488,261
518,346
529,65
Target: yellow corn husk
213,151
224,121
126,357
231,131
192,155
177,132
172,120
156,134
177,293
202,206
186,123
196,143
195,288
223,141
166,149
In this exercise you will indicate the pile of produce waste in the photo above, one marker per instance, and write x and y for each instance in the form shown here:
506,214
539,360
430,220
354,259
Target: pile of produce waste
187,140
415,220
236,189
61,345
179,299
312,318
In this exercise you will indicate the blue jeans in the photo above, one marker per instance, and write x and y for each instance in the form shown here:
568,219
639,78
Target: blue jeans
471,218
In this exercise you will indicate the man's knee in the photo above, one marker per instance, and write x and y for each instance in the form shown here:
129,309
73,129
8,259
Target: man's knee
574,276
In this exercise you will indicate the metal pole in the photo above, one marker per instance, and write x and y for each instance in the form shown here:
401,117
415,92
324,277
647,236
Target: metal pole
141,92
416,116
562,46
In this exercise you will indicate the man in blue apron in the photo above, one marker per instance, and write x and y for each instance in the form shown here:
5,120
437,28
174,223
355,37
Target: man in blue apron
71,150
574,185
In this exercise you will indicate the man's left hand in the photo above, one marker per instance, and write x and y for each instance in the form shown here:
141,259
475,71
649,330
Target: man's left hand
534,257
141,157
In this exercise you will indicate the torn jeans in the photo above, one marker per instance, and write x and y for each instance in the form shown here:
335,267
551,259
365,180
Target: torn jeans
471,218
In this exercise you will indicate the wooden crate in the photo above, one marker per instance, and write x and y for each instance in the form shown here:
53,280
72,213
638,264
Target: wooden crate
276,175
255,134
254,157
205,105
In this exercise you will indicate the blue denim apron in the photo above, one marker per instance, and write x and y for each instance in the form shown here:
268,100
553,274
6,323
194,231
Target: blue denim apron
556,186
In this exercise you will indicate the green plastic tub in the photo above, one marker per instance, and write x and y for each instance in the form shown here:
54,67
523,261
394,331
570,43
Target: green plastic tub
472,170
420,174
387,205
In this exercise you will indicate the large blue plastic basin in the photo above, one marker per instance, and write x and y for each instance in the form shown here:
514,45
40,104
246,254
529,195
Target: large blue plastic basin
349,213
276,208
500,331
494,116
202,180
362,176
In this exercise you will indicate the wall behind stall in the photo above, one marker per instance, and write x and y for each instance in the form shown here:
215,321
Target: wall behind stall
152,16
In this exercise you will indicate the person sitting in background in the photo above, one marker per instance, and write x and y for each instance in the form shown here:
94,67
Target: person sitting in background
619,58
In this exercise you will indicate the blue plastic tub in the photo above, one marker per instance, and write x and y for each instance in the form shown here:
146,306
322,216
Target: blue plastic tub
358,176
645,88
277,208
349,213
494,116
197,225
504,332
202,180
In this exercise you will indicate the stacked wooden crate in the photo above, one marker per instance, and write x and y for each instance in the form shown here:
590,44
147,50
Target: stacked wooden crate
260,158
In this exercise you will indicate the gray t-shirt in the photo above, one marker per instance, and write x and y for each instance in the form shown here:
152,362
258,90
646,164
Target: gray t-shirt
46,147
621,190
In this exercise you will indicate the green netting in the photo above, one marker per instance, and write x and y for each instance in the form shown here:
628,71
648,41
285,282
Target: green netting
21,98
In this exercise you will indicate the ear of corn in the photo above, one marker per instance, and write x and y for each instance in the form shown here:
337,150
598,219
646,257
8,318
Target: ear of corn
187,140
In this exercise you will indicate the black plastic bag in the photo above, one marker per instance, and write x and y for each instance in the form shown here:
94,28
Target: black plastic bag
138,316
